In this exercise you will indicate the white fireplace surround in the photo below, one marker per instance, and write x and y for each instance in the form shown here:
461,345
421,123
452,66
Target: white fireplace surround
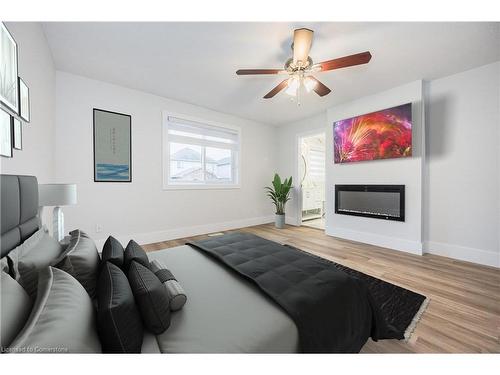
404,236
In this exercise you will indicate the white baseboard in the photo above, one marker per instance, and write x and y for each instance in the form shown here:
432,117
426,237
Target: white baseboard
468,254
172,234
485,257
400,244
291,220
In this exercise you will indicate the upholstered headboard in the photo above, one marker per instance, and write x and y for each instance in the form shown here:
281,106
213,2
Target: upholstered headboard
19,206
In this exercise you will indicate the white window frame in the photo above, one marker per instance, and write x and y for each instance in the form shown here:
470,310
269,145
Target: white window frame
236,156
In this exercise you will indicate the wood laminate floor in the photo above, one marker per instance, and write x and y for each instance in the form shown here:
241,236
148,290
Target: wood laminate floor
315,223
463,315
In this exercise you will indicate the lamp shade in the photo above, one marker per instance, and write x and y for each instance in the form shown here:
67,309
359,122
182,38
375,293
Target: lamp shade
56,194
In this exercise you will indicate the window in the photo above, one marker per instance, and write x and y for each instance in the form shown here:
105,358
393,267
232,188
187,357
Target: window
199,154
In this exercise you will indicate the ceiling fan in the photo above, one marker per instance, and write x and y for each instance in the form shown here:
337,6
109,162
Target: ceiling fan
301,67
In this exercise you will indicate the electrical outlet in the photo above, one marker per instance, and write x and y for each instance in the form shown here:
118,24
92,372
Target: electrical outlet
98,228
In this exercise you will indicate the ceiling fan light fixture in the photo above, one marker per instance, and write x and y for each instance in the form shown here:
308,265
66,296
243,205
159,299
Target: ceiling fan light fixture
293,85
309,83
300,68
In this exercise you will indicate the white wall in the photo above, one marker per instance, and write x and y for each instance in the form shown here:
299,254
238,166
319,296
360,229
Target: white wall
36,68
404,236
287,140
460,195
142,209
462,218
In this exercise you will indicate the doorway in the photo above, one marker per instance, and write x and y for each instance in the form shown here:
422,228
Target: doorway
312,180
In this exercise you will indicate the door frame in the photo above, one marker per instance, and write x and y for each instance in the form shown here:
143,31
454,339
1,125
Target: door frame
297,177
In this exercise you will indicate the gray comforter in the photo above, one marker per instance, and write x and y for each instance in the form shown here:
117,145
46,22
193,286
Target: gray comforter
224,313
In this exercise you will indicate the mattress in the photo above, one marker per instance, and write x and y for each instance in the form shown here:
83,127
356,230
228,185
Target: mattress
224,313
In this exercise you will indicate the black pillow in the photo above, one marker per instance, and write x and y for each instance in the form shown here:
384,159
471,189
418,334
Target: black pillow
112,251
134,251
118,320
151,297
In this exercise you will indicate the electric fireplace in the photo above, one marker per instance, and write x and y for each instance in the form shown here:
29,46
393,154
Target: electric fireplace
385,202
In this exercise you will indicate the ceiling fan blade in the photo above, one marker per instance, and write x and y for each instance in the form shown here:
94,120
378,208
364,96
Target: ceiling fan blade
302,41
344,62
277,89
320,88
243,72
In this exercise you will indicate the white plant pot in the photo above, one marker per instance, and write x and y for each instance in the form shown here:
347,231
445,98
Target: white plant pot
279,221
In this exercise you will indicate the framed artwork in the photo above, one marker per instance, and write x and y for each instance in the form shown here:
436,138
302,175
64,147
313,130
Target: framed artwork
8,70
24,101
112,146
5,134
383,134
17,133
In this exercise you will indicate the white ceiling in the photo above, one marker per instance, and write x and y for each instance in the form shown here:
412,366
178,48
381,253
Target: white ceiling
196,62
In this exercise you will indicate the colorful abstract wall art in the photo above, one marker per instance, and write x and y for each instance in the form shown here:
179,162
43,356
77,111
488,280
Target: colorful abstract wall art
384,134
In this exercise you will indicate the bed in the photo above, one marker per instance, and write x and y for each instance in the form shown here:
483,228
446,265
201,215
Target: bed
224,313
227,311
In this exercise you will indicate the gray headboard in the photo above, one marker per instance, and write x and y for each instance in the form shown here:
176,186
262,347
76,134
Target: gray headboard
19,206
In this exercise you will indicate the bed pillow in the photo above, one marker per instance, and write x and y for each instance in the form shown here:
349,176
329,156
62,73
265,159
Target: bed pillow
15,309
112,251
79,232
118,320
37,252
134,251
62,319
81,260
175,293
4,265
150,296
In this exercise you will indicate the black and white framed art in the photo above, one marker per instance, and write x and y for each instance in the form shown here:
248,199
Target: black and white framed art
5,134
9,94
17,133
24,101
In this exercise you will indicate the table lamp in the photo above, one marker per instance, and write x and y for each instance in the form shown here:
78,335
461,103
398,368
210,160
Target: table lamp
57,195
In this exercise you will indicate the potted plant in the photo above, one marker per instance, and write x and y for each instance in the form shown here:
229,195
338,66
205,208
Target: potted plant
280,194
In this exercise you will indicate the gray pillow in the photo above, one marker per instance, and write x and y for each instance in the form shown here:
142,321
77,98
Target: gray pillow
37,252
4,265
175,293
15,309
150,297
62,320
80,232
81,260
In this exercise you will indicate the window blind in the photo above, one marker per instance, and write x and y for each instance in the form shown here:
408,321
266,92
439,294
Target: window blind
181,130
